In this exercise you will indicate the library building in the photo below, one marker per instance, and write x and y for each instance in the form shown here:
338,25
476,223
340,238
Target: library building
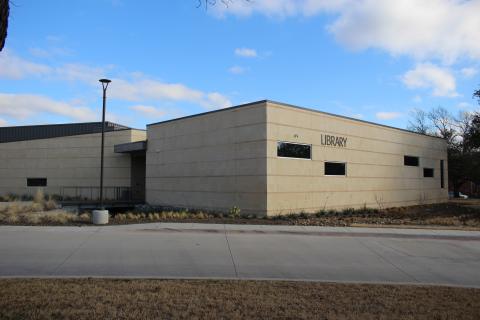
265,157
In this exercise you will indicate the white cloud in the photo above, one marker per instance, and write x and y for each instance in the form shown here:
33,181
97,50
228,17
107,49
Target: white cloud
468,72
141,89
417,99
50,52
236,70
24,106
149,111
79,72
387,115
246,52
13,67
424,29
3,122
216,100
427,75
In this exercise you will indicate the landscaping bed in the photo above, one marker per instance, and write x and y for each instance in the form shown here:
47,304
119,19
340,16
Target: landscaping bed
453,214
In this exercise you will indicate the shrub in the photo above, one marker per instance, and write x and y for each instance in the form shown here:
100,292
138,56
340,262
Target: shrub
13,218
13,209
131,216
120,217
348,211
303,215
25,197
183,215
84,217
32,218
60,218
234,212
35,207
217,214
321,213
39,197
50,204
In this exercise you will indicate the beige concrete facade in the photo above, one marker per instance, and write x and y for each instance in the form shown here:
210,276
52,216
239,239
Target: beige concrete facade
67,162
374,156
229,158
213,161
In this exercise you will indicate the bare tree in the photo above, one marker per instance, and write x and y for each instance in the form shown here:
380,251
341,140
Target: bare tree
463,124
443,124
419,122
4,13
476,95
462,134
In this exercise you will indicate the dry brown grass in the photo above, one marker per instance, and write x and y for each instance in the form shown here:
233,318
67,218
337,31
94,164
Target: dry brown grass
445,215
39,197
452,215
58,218
39,211
203,299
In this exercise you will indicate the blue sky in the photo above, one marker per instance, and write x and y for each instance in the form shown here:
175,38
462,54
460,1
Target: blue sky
370,59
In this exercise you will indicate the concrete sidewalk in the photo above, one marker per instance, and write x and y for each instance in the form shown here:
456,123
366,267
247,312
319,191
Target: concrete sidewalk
171,250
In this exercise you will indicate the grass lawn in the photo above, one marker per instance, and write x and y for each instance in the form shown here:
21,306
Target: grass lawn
212,299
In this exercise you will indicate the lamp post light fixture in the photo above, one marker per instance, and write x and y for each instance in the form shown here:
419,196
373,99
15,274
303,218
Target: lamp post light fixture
100,216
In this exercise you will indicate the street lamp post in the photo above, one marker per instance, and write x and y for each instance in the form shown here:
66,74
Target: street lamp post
101,216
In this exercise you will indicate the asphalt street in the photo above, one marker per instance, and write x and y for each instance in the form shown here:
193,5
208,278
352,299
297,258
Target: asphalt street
168,250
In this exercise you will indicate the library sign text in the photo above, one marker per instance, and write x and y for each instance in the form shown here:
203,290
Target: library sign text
334,141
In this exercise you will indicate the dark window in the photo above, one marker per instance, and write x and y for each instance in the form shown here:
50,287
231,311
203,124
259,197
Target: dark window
294,150
442,175
335,168
410,161
36,182
428,172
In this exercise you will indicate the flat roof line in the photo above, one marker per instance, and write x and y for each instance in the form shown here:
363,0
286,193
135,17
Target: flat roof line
350,118
210,112
296,107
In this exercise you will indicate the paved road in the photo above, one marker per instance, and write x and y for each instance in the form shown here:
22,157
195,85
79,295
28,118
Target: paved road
164,250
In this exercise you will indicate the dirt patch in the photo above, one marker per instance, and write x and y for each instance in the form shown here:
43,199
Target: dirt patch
203,299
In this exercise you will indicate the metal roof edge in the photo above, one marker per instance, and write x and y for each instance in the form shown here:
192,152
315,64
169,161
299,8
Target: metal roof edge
66,124
31,131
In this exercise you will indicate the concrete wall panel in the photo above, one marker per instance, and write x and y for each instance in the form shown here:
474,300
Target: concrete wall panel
213,161
72,161
376,175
